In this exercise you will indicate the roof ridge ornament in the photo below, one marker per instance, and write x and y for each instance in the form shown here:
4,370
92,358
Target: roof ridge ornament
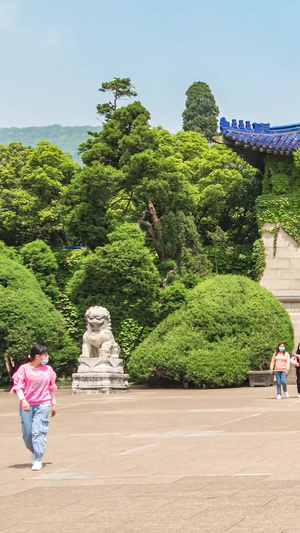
257,127
261,136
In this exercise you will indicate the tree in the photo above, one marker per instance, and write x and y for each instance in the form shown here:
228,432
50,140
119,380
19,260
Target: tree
226,326
228,188
120,276
31,184
38,257
201,111
85,204
121,88
126,132
178,188
27,316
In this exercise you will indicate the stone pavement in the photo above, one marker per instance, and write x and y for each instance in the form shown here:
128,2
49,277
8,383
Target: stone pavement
157,460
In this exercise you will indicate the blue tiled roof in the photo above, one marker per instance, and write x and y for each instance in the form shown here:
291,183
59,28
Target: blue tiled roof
278,139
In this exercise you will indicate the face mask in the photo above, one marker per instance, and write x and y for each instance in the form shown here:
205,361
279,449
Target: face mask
45,360
281,348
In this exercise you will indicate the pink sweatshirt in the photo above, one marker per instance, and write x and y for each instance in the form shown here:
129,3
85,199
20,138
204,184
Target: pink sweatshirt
36,383
280,361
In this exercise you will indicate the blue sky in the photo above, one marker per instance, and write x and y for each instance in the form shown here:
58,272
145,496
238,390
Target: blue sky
56,53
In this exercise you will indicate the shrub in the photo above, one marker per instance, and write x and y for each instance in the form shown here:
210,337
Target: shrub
27,316
228,325
120,276
38,257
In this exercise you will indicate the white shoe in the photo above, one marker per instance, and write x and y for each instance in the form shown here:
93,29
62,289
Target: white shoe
278,396
298,395
37,465
287,394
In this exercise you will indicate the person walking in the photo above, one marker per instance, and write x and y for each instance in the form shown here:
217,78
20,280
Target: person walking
34,384
280,363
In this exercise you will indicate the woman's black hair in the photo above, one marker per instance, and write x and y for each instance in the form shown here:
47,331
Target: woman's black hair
298,349
277,349
37,349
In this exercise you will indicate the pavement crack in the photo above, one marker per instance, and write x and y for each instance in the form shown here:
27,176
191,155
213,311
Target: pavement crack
235,524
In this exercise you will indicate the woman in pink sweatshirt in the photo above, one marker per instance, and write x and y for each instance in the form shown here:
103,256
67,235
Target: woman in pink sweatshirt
34,384
280,363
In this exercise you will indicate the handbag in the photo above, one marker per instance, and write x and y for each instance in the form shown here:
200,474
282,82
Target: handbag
294,360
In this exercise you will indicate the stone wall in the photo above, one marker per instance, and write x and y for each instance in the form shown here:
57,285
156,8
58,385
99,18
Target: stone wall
282,272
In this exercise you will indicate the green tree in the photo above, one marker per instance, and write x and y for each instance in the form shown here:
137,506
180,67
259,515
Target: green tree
121,88
126,132
226,326
228,188
178,188
27,316
120,276
85,204
31,184
201,111
38,257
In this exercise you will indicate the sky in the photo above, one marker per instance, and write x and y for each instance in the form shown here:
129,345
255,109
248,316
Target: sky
56,53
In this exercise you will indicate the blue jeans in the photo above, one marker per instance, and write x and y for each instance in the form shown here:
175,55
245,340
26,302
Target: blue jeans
35,425
280,380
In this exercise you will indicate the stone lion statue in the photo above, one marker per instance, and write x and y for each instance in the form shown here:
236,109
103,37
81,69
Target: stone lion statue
98,337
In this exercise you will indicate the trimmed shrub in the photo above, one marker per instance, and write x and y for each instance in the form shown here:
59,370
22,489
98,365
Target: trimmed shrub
227,326
27,316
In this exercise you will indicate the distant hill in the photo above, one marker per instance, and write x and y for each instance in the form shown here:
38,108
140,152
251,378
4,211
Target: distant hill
68,138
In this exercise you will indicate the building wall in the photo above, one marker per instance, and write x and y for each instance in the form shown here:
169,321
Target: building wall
282,272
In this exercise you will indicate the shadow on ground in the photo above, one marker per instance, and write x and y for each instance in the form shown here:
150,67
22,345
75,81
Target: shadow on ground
26,465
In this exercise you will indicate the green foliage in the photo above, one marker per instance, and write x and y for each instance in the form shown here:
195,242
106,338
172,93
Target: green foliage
129,335
281,175
259,259
8,251
85,204
126,132
280,202
171,298
67,138
201,111
31,184
227,326
121,88
120,276
27,316
38,257
231,259
68,262
228,188
282,210
177,187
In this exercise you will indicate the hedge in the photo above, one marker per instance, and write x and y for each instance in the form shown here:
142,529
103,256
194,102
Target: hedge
227,325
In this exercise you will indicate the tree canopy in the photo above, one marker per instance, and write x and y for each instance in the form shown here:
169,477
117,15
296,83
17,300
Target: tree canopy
120,276
31,184
201,111
155,213
121,88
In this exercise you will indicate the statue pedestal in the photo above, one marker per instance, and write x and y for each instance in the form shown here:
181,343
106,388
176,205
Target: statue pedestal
99,375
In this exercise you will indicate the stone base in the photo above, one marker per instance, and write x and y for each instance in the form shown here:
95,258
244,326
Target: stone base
99,382
260,378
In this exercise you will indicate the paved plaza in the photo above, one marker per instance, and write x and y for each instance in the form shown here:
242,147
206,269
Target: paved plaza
157,461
